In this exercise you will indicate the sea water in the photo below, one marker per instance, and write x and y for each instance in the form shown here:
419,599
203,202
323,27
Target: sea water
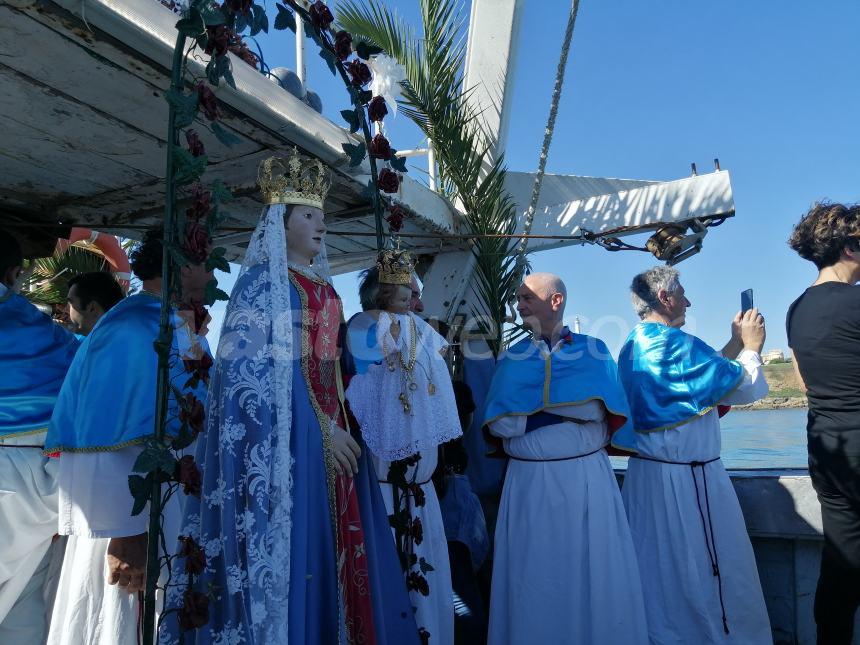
760,439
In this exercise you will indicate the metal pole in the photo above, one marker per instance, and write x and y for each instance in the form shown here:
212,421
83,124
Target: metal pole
162,347
431,164
300,53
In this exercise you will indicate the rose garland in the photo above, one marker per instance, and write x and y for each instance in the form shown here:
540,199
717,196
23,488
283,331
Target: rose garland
348,58
215,28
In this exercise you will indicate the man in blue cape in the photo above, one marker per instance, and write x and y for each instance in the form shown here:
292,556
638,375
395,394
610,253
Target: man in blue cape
698,570
34,357
564,569
104,414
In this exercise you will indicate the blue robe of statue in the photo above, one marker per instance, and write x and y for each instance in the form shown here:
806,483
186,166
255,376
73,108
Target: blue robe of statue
34,357
262,594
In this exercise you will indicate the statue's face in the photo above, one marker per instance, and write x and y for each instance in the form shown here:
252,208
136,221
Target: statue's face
305,233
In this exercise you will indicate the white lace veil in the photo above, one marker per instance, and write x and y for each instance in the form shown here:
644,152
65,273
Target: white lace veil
254,367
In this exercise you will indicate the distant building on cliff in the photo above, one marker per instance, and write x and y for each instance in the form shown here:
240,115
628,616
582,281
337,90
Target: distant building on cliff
773,355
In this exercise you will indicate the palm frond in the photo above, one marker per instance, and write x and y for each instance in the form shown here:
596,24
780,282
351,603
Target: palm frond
436,101
49,283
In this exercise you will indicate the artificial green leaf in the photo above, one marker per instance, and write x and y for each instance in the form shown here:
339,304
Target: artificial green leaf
351,118
220,192
154,457
224,135
212,15
356,153
285,19
365,50
213,293
185,437
260,21
364,96
176,254
193,25
184,106
425,566
187,167
212,72
242,22
330,60
140,489
225,70
214,262
398,163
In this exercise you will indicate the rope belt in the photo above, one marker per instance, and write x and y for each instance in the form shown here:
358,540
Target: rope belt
385,481
587,454
710,544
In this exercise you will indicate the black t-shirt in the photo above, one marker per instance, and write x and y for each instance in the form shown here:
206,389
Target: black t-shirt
823,327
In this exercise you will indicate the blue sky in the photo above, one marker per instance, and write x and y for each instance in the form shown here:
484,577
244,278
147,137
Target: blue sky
769,88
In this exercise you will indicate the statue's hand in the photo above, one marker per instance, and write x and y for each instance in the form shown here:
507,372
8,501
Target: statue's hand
345,450
126,560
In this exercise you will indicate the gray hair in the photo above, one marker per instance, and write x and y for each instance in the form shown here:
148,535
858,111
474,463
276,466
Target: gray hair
646,286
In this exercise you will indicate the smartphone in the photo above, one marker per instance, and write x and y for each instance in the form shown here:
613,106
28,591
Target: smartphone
746,300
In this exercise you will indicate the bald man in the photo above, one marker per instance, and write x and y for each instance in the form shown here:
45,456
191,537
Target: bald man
565,568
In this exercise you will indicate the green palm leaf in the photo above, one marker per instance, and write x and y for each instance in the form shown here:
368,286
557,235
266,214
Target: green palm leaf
49,283
435,100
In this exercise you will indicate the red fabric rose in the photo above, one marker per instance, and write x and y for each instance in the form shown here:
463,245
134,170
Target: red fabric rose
188,474
195,557
201,205
195,313
377,109
343,45
418,496
241,49
195,145
396,215
194,612
194,414
320,15
380,148
359,72
389,181
417,531
238,6
416,582
199,368
206,99
197,243
218,40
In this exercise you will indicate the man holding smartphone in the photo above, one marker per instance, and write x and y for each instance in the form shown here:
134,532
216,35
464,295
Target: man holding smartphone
698,570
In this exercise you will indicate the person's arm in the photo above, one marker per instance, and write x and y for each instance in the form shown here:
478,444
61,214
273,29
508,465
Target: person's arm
754,386
735,344
797,372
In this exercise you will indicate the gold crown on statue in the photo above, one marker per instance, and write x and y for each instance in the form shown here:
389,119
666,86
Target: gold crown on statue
294,180
395,267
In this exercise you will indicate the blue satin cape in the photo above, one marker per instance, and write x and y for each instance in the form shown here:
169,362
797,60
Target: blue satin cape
35,355
671,377
108,399
580,370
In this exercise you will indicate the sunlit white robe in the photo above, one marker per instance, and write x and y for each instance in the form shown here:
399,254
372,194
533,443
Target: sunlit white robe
681,592
564,569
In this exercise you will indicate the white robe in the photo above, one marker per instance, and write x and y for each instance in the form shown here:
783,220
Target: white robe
435,612
564,569
95,505
28,522
681,592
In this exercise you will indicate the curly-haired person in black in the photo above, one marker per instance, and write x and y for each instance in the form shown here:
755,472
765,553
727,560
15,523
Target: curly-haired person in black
823,327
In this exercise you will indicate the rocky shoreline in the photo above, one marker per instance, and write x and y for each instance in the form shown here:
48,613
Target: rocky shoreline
775,403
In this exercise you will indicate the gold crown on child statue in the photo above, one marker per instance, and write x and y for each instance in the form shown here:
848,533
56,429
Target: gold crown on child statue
294,180
395,267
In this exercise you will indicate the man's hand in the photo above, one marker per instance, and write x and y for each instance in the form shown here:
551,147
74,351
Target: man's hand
346,451
752,330
126,560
